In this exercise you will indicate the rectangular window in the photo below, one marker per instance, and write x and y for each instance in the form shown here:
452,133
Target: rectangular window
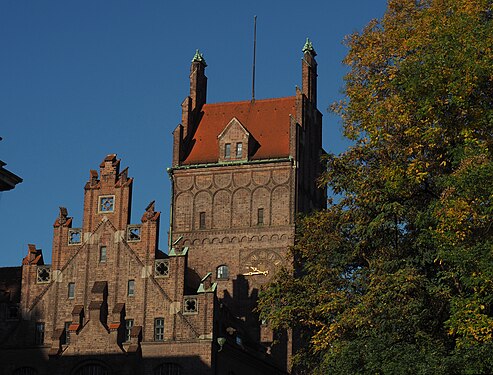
131,287
202,220
239,150
71,290
66,332
227,150
129,323
260,216
102,254
39,337
222,272
159,329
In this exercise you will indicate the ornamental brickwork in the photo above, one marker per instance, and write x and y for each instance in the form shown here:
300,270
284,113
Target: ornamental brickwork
113,302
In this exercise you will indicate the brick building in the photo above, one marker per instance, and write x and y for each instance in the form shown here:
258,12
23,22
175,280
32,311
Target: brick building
113,302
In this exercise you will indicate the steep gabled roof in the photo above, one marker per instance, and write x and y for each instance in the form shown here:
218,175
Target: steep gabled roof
266,120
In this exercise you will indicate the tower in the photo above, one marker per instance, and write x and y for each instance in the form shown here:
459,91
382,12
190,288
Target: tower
113,302
241,173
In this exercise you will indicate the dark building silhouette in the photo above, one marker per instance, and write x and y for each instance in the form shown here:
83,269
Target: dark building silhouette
8,180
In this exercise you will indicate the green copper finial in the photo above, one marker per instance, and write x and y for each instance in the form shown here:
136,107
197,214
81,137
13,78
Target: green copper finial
198,57
308,47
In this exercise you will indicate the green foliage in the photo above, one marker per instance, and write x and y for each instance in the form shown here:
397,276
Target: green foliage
397,277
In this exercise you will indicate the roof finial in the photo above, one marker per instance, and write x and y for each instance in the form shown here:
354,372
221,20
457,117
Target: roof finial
198,57
308,47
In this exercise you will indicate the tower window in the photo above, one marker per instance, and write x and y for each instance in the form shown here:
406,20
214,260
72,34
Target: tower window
102,254
133,233
71,290
39,337
222,272
239,150
159,329
129,323
227,150
43,274
190,305
74,236
131,288
260,216
161,267
66,336
106,203
202,220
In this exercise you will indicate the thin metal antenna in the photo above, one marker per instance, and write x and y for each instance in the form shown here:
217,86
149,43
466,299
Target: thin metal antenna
254,54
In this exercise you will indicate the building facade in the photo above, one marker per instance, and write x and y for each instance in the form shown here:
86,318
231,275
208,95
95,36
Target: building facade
113,302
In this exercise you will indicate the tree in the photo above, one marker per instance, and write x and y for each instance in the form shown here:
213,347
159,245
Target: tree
397,276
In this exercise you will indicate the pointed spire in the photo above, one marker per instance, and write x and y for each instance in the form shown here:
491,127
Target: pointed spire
308,47
198,57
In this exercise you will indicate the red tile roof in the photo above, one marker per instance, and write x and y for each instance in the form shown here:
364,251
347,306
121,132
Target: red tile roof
266,120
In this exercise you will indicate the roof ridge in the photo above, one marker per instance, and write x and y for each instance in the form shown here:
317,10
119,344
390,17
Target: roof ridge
249,101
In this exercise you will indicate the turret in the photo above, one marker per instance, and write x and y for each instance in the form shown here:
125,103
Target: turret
309,72
191,107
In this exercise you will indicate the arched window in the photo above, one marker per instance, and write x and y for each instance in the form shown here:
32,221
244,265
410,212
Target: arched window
91,369
168,369
25,371
222,272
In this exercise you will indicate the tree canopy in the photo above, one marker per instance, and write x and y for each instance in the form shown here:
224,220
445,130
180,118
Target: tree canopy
396,277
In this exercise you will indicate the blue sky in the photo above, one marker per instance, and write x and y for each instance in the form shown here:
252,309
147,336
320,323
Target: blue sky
83,79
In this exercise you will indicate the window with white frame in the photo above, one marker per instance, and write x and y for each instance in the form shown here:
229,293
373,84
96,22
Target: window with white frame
102,254
74,236
43,274
222,272
129,323
239,150
131,288
71,290
227,151
159,329
190,305
106,203
133,233
161,268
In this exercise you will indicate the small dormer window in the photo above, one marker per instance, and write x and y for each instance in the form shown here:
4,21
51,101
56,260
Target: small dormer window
239,150
106,203
234,142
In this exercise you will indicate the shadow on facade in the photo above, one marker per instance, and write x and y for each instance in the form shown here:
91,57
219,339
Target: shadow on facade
35,361
252,331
